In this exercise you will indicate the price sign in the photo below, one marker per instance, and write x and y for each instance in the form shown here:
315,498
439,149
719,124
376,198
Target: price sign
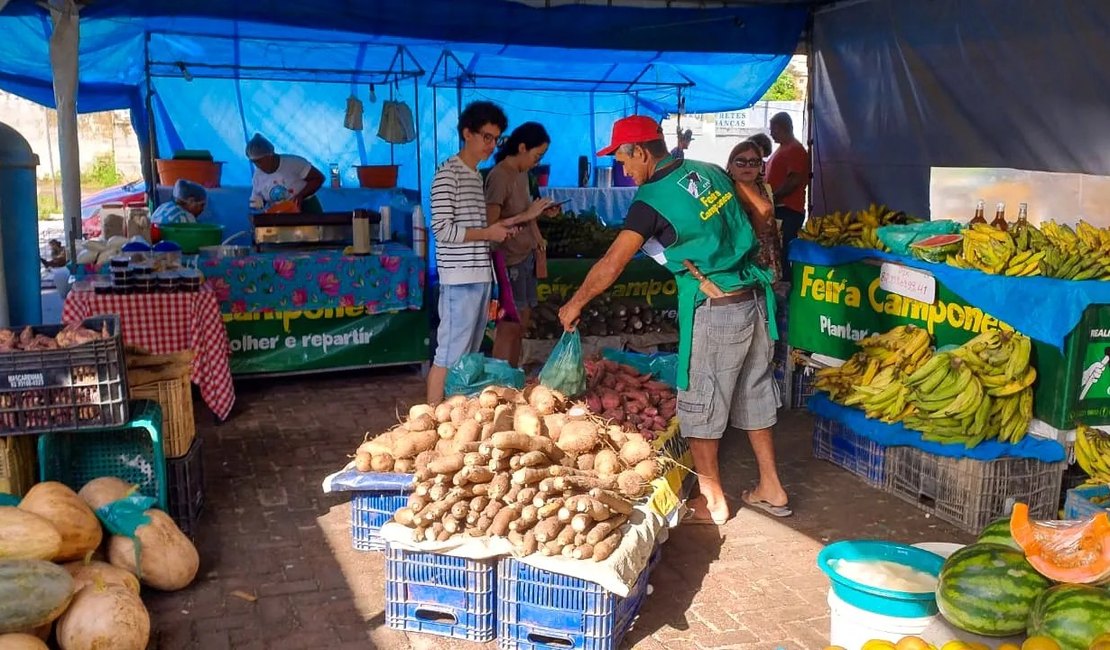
908,282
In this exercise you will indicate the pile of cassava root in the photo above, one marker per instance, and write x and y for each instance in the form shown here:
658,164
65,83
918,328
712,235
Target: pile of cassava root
548,476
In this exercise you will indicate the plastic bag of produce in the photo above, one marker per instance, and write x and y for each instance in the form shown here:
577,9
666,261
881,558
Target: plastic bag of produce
899,238
565,370
662,366
474,372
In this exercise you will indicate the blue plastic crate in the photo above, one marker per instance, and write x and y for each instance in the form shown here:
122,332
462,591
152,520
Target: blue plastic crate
132,452
1078,504
541,610
370,510
840,446
440,594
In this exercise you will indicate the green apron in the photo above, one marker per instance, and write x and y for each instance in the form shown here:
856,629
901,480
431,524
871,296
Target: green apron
712,231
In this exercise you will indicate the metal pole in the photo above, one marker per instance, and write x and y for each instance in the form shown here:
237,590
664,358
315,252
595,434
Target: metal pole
50,155
419,145
151,131
64,48
810,131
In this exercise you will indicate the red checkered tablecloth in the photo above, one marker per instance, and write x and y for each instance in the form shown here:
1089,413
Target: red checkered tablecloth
170,322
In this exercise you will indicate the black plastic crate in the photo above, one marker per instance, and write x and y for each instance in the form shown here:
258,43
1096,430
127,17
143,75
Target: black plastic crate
65,389
186,488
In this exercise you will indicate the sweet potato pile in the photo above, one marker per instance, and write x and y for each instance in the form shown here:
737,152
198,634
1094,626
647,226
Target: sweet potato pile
71,335
549,476
621,394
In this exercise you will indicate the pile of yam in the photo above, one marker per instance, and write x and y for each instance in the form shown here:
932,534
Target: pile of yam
527,466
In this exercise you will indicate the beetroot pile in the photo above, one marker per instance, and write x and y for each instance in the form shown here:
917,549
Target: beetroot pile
619,393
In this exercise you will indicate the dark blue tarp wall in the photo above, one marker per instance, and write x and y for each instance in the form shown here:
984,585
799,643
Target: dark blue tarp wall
901,87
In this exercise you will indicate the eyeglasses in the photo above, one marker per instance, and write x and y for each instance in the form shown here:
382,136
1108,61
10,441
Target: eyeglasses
747,162
490,138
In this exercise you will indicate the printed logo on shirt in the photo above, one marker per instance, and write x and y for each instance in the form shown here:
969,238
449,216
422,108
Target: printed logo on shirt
279,193
695,184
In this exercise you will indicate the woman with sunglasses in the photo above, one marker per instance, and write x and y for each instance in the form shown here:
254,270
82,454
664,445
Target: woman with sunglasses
745,167
515,260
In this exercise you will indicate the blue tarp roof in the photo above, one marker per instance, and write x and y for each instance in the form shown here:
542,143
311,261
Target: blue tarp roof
286,69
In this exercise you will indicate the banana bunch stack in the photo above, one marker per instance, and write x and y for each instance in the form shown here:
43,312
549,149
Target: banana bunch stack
1092,452
990,250
949,401
856,229
872,378
979,391
1079,254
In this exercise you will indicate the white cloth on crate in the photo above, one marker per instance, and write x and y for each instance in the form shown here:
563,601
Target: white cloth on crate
617,573
286,181
171,212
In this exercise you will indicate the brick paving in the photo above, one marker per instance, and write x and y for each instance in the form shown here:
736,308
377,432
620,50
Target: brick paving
269,532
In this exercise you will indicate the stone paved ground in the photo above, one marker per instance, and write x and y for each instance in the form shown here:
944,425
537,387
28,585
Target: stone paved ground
270,532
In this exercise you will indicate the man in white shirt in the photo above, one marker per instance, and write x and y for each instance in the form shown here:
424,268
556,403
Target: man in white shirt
282,178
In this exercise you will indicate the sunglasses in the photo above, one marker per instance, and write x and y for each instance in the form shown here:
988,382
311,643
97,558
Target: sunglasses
747,162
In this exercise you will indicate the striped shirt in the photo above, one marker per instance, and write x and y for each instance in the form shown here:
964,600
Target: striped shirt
459,203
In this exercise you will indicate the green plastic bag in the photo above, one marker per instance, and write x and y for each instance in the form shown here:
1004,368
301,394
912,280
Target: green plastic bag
565,370
899,238
661,366
123,517
474,372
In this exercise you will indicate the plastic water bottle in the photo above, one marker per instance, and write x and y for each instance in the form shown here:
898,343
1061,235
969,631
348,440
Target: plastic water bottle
335,175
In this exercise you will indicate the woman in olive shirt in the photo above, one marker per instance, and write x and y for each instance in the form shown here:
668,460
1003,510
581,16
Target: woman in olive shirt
507,196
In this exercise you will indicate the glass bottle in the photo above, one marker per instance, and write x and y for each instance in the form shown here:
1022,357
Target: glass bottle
1000,218
978,218
335,174
1023,213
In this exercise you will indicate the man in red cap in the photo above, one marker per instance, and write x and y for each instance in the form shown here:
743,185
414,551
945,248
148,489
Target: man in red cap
687,217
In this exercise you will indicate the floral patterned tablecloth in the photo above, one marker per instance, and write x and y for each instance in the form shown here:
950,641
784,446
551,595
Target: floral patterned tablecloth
306,280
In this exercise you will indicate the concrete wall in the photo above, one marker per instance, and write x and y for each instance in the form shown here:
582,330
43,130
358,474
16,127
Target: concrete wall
100,133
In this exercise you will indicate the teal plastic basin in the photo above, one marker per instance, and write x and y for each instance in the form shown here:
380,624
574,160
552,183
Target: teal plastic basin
899,604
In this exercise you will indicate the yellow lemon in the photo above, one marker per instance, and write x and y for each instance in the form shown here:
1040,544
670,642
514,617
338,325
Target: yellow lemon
1101,643
878,644
1040,643
911,643
975,645
955,645
1008,646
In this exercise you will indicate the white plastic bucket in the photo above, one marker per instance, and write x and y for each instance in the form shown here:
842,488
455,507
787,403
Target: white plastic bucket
851,627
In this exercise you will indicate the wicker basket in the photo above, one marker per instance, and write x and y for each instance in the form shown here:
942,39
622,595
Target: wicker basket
18,466
175,396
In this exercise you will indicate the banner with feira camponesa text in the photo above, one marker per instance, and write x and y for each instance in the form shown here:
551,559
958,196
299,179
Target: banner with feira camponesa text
832,307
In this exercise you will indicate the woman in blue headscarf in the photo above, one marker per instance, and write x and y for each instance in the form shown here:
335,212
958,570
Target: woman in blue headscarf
189,200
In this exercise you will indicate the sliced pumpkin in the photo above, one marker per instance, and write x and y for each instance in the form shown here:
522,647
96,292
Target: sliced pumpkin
1065,551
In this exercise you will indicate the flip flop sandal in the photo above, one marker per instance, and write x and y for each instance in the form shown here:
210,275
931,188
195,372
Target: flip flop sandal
760,504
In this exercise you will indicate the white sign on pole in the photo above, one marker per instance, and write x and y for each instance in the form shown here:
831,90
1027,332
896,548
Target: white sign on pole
908,282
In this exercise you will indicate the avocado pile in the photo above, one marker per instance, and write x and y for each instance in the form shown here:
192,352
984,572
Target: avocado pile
604,316
571,235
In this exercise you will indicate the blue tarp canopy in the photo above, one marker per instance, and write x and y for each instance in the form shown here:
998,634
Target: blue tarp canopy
220,71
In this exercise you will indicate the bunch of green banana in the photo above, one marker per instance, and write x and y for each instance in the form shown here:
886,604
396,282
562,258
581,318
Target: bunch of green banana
1000,361
839,381
951,404
1092,452
1027,237
885,399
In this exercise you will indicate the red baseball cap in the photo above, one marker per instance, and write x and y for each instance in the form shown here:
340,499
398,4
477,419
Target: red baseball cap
632,130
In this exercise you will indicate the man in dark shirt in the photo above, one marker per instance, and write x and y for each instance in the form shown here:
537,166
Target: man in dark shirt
686,217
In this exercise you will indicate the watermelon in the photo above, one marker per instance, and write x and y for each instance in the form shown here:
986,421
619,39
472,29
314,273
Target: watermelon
998,532
937,248
988,589
1072,615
